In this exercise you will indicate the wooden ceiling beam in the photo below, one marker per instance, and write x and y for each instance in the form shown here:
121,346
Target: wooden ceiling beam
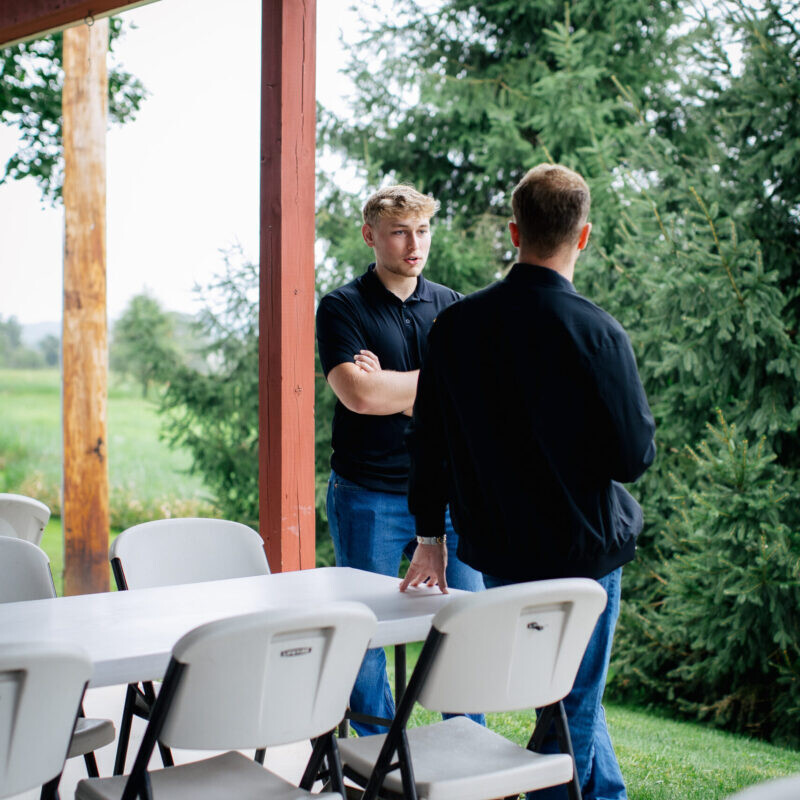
30,19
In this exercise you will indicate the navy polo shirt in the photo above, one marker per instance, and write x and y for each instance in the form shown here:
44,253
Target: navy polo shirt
364,315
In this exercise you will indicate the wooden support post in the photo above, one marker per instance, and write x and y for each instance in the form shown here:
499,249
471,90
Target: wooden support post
85,352
286,347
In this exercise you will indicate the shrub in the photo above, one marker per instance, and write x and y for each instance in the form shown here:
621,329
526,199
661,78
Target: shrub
723,642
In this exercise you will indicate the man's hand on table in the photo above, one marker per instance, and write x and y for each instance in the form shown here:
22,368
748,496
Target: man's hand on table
427,567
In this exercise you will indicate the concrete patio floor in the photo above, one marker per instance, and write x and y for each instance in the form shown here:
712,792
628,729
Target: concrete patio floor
289,761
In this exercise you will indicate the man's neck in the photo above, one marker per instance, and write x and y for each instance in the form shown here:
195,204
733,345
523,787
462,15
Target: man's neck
561,262
399,285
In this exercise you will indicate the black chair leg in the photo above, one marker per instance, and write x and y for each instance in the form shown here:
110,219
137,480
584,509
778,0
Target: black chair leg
565,745
125,729
150,696
50,789
260,755
91,765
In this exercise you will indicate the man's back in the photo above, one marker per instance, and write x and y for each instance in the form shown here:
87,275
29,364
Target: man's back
540,408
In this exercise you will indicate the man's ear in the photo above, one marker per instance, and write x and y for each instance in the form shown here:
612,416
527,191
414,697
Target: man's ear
368,234
513,229
583,239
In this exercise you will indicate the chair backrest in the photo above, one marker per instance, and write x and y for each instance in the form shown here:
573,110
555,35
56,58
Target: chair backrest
780,789
276,676
24,571
189,550
512,647
41,688
23,517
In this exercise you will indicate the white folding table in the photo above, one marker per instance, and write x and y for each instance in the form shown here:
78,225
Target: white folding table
129,635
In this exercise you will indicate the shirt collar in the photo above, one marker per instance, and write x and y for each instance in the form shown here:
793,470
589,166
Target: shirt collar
534,275
373,283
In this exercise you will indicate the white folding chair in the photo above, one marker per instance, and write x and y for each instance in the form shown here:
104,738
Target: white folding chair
23,517
780,789
25,575
41,688
277,676
166,552
505,649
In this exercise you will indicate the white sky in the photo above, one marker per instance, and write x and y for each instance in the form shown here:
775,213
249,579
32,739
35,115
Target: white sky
183,178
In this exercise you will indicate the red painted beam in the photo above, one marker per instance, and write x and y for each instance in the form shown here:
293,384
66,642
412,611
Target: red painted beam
28,19
286,346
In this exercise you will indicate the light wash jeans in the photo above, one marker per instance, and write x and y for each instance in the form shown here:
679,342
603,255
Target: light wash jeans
598,771
371,531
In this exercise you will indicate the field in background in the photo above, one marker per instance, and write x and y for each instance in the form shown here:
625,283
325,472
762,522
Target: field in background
147,479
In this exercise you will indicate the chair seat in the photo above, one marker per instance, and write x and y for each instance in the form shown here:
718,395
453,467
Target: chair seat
90,734
457,759
227,775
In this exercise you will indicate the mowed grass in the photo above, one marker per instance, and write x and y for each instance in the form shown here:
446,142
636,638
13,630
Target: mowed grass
138,460
147,478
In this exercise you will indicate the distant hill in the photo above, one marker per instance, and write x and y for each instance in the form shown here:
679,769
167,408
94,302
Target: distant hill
36,331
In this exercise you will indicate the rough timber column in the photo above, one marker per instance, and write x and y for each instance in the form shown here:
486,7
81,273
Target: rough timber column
84,342
286,347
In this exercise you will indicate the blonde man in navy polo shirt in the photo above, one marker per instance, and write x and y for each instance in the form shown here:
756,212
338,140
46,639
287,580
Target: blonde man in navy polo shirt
372,334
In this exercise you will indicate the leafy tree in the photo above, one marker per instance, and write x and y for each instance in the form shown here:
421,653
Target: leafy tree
10,337
31,80
142,343
50,348
13,351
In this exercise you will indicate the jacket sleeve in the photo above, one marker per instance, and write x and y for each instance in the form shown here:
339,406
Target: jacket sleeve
425,439
626,425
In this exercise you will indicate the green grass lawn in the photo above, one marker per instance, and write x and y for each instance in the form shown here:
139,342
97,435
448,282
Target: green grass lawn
147,478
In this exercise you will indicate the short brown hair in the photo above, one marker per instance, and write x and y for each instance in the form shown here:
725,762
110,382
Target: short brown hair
551,206
394,201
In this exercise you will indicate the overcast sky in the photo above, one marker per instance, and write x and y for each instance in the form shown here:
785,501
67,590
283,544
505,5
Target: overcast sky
183,178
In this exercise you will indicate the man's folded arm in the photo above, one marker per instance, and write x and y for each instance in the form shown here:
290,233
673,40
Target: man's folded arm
380,393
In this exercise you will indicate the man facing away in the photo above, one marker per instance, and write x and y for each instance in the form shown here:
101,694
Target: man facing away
372,333
529,410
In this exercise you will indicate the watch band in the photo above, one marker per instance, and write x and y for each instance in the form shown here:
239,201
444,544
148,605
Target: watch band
432,539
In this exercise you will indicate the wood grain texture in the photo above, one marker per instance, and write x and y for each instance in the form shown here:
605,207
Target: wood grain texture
286,347
84,342
29,19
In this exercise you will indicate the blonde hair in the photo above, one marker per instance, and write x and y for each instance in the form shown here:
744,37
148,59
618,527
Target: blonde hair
551,206
396,201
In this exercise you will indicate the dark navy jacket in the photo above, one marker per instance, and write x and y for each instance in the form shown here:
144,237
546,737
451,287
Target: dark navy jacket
529,413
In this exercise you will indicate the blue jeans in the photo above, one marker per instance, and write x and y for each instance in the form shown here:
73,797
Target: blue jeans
598,771
371,531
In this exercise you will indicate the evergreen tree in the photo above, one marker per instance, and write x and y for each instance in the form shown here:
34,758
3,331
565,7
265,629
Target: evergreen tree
722,644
